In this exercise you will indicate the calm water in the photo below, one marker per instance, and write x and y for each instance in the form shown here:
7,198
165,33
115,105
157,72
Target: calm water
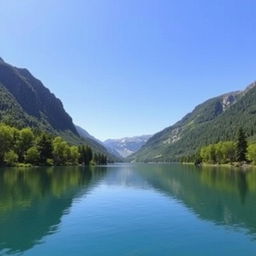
127,210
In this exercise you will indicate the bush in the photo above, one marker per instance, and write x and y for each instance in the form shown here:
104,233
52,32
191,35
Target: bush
252,153
32,156
11,158
49,162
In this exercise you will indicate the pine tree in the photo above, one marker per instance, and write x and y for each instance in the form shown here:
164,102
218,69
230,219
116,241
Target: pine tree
81,149
44,145
89,155
241,146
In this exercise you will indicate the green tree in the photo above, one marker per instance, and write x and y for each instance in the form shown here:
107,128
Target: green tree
228,150
38,147
241,146
99,158
6,140
208,154
45,148
222,152
252,153
74,155
61,151
81,149
32,156
86,155
89,155
26,139
203,154
219,152
10,158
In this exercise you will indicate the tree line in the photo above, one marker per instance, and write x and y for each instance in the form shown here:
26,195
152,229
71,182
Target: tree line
225,152
33,147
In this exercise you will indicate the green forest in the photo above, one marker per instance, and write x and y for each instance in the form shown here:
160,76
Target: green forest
32,147
226,152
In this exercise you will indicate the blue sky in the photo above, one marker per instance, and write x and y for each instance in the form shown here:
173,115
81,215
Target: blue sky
131,67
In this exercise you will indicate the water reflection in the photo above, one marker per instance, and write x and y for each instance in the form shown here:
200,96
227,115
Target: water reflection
33,201
125,175
224,195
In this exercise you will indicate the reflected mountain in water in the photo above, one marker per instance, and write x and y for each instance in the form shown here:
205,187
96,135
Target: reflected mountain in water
33,201
125,175
224,196
27,196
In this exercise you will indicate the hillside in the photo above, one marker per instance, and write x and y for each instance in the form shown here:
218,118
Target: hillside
214,120
96,144
86,135
25,101
126,146
35,99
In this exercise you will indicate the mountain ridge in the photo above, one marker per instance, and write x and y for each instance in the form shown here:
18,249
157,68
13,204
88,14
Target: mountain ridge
26,102
35,99
209,122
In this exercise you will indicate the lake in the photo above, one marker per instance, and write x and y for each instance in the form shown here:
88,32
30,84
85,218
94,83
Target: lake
127,209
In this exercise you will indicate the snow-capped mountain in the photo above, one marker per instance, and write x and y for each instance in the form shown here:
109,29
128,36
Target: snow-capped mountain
126,146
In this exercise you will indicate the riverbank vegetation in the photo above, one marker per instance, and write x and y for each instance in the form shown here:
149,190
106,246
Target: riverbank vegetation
226,152
25,146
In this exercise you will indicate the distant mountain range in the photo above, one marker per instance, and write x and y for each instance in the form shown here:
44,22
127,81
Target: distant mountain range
216,119
25,101
126,146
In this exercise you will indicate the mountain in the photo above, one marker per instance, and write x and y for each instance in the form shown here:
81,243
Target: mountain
126,146
39,106
216,119
96,144
86,135
25,101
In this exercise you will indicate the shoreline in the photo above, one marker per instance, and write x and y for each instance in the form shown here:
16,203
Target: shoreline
229,165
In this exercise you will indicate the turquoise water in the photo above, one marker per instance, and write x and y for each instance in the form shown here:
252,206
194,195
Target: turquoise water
127,210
